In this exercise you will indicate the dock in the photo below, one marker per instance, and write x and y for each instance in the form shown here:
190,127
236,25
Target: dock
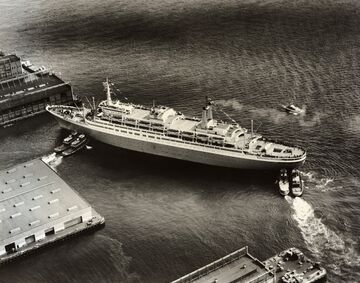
38,208
289,266
238,267
26,90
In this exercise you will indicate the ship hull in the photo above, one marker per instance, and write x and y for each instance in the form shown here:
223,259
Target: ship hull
182,151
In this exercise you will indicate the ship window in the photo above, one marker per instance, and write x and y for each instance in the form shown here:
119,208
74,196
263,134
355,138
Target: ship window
10,248
277,150
49,231
144,126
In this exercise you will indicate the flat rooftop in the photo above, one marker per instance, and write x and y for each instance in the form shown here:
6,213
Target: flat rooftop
238,266
32,195
11,57
30,87
26,83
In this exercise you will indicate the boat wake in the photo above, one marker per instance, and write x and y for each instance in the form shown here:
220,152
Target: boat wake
354,124
323,242
53,160
233,103
276,115
312,121
325,184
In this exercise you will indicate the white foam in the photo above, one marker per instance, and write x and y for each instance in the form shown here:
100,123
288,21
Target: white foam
319,184
322,241
52,160
288,199
233,103
308,175
48,158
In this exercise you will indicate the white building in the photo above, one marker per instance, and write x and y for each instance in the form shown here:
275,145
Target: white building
10,67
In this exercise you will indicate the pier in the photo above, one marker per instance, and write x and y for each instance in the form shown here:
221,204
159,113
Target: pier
238,266
37,208
25,91
289,266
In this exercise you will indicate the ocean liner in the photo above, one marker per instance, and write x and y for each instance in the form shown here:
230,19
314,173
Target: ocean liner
162,131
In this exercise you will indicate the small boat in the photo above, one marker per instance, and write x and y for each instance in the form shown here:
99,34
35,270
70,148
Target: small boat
297,185
66,142
69,139
292,109
61,148
284,186
76,145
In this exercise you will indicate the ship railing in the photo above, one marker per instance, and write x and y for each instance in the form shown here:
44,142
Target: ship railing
162,136
207,269
267,276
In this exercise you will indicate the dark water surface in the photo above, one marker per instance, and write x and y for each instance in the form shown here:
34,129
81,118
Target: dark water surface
164,217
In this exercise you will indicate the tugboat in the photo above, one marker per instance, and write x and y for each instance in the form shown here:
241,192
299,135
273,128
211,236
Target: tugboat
284,186
66,142
292,109
297,185
69,139
76,145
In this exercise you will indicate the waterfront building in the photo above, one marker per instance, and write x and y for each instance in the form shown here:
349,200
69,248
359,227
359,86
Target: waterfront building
37,206
10,66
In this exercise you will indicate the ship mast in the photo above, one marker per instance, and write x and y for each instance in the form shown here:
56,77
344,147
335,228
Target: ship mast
252,128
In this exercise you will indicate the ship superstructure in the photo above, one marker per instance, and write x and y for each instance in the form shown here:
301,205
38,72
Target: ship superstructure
163,131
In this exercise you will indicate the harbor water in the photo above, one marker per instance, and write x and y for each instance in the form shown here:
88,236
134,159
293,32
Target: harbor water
165,218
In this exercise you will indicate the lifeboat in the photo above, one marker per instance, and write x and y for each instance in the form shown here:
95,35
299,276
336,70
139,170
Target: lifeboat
144,124
173,133
189,136
217,140
202,138
157,127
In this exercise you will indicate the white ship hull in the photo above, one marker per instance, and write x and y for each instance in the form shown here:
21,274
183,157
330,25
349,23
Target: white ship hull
178,150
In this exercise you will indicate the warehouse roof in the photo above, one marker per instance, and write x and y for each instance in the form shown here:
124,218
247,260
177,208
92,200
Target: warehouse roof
31,195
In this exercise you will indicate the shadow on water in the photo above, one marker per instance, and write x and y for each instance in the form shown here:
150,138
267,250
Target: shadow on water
120,160
72,260
28,125
166,24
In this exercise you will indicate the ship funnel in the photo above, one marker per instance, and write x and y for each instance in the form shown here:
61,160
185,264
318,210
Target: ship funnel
108,93
208,105
204,117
